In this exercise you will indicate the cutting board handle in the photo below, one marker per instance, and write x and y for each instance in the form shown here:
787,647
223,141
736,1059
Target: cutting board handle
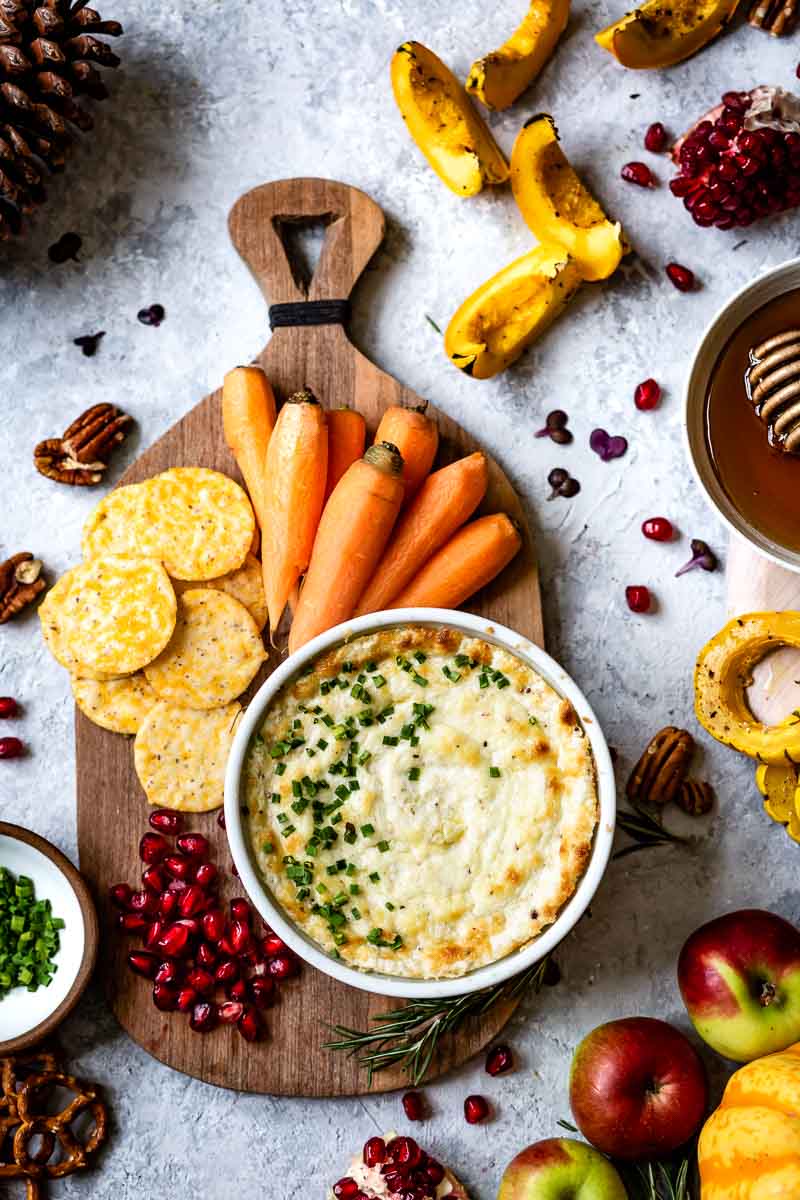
355,227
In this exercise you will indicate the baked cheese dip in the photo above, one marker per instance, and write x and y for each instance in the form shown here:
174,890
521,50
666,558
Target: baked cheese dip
420,802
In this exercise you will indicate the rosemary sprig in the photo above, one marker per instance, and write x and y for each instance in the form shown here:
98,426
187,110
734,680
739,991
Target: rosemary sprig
432,323
662,1181
409,1037
646,829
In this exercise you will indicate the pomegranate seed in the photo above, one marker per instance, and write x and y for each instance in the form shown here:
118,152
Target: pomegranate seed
194,845
179,866
168,972
153,847
655,138
221,818
201,980
227,971
174,941
165,997
738,101
237,990
638,173
658,529
414,1106
205,875
213,924
204,1017
499,1060
435,1171
166,821
273,945
647,395
374,1152
394,1179
262,992
234,871
681,277
241,910
8,707
154,879
206,955
186,999
230,1011
404,1153
240,936
145,902
143,963
249,1025
168,903
153,933
284,966
681,186
225,946
177,885
191,925
345,1189
192,901
638,598
11,747
476,1109
132,922
120,895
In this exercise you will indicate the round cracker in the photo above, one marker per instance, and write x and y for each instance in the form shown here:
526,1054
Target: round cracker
111,615
245,585
117,525
203,522
117,704
213,654
180,755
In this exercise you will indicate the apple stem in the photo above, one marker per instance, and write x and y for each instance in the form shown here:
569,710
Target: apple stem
767,994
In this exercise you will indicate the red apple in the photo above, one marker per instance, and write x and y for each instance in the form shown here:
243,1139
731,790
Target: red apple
637,1088
740,980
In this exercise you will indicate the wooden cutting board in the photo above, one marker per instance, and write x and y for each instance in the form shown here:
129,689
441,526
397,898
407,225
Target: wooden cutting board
112,811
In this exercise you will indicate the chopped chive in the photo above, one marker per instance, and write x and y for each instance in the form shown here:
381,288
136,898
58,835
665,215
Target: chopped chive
268,847
367,830
375,877
414,774
494,772
419,680
390,741
383,846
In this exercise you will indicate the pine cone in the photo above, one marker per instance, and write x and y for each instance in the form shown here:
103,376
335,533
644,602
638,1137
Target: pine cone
46,56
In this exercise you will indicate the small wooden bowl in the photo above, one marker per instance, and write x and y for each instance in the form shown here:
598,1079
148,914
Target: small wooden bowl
28,1017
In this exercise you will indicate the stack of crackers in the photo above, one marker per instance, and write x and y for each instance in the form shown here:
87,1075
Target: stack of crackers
160,626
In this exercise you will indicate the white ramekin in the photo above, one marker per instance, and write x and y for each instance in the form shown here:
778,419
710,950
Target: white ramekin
395,985
766,287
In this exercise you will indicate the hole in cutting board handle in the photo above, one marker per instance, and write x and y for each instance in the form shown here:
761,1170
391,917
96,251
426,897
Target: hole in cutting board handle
303,239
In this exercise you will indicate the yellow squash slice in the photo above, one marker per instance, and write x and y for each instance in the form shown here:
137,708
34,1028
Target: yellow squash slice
557,207
502,76
442,121
660,34
508,312
724,672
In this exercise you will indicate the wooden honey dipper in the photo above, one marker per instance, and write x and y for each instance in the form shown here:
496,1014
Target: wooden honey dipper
773,386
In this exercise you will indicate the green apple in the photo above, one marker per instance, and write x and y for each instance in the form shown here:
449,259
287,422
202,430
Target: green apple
560,1169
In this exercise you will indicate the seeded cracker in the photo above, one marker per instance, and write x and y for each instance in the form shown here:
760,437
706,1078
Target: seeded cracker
202,522
213,654
118,704
117,525
245,585
180,755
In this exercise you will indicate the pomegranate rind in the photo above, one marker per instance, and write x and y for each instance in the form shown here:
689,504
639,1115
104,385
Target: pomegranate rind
505,315
500,78
557,206
660,34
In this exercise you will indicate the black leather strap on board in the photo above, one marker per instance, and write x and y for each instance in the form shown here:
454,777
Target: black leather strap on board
309,312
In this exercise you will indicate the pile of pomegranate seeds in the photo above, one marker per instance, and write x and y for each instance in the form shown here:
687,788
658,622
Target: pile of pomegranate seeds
638,173
216,966
731,175
407,1170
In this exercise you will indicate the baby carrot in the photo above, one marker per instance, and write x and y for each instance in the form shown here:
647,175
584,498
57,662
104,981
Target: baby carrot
296,469
248,419
347,435
355,527
445,501
417,439
466,563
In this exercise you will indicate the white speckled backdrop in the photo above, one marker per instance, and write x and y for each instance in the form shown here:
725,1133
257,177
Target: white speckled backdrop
212,99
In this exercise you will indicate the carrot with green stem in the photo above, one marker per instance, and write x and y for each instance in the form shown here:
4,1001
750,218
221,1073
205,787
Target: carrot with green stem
248,419
417,439
296,470
445,501
465,564
347,436
356,524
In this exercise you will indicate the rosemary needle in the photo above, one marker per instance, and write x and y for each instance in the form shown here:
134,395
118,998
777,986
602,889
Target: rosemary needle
646,830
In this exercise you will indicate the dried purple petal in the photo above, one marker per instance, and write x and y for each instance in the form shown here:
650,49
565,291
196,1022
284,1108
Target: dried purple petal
562,484
606,446
556,428
153,315
66,247
702,556
89,342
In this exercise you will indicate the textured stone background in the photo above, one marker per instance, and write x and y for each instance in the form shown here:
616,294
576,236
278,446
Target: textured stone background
215,98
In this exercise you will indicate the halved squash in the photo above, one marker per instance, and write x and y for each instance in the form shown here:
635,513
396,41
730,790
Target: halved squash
664,32
442,121
724,671
508,312
556,206
502,76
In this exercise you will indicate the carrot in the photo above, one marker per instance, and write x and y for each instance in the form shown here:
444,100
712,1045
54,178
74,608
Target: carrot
417,439
296,469
442,505
466,563
347,436
355,527
248,419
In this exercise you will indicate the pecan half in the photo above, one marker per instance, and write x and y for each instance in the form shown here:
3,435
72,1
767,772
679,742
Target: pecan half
659,773
776,17
81,454
696,797
20,583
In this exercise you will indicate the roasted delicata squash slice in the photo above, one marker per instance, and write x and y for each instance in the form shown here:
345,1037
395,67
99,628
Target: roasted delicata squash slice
664,32
502,76
442,121
557,207
780,787
724,672
508,312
